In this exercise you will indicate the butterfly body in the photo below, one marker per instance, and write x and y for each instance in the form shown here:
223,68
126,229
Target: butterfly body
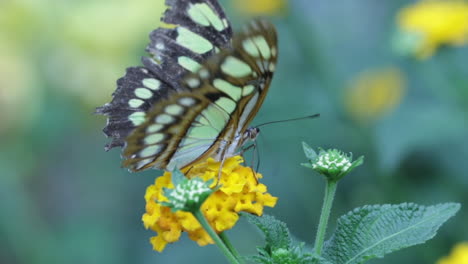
196,94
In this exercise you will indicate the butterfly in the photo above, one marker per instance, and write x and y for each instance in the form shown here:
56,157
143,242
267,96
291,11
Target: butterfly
198,91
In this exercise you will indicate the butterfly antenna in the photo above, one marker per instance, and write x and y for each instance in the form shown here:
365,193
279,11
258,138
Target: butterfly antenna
288,120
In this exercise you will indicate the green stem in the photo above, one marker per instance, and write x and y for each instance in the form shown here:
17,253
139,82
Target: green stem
229,245
224,249
324,216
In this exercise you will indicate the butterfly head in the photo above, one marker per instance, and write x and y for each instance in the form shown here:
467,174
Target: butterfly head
251,133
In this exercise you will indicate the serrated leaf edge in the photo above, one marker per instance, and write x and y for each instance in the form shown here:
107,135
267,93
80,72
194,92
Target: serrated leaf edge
457,207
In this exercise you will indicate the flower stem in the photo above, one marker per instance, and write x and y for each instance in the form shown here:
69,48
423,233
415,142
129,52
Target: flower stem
221,245
325,214
229,245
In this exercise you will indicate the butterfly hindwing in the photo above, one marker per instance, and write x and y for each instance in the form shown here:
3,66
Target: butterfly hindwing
225,94
136,93
256,48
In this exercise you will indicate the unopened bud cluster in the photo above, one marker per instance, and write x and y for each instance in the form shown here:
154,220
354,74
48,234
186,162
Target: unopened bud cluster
188,195
333,164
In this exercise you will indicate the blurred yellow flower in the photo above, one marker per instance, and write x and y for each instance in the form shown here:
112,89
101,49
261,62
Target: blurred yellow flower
260,7
20,92
93,45
433,23
459,255
374,93
20,87
240,191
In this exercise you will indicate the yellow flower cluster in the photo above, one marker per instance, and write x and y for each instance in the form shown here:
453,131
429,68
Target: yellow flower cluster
260,7
240,191
459,255
435,23
374,93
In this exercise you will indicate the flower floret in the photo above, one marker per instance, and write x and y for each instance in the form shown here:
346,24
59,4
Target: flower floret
221,196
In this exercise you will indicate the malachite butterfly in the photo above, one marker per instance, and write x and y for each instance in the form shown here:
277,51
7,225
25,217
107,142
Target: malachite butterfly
197,92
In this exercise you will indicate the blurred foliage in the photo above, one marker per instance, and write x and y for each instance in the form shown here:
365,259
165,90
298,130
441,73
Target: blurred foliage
64,200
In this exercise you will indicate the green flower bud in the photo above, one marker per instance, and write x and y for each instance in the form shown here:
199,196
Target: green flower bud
188,194
333,163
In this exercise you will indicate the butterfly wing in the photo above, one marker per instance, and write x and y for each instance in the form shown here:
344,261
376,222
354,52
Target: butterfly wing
213,112
202,30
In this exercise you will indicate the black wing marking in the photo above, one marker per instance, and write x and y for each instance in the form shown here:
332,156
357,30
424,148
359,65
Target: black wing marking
162,66
165,50
119,125
168,148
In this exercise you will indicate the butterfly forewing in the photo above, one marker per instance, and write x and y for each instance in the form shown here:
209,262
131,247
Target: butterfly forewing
199,29
210,117
202,29
257,47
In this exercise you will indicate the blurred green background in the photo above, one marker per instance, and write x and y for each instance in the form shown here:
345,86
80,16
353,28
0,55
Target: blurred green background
63,199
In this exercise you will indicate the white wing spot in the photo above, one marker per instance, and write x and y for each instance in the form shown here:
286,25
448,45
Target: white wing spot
187,101
273,51
227,104
154,138
143,93
188,63
193,82
152,83
204,73
235,67
272,67
248,89
137,118
160,46
249,46
135,103
204,15
193,41
150,151
154,128
164,119
233,91
174,109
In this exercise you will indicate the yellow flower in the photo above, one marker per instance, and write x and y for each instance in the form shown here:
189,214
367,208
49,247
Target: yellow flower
260,7
433,23
240,191
374,93
459,255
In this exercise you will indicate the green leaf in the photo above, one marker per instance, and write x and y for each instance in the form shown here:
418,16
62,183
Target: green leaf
276,232
309,152
373,231
295,255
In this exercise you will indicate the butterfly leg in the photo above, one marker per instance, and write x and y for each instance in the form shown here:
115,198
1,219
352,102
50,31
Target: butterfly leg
254,154
222,159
